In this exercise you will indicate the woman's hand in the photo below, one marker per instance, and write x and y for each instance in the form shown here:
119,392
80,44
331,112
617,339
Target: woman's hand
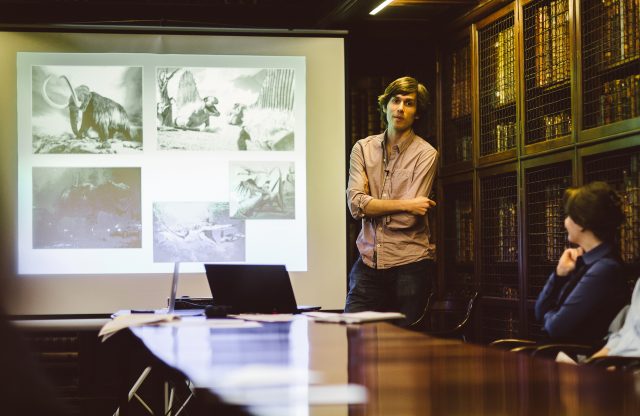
567,262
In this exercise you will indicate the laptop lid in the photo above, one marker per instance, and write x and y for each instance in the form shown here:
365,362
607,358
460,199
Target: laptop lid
174,287
251,288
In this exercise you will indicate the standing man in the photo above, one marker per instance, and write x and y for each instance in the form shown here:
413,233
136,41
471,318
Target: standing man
390,176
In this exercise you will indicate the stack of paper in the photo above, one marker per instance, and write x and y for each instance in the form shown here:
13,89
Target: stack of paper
135,319
354,317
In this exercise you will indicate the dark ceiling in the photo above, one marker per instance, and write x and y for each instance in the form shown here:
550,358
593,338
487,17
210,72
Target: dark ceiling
272,14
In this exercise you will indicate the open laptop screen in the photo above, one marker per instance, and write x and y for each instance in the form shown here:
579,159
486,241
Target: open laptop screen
251,288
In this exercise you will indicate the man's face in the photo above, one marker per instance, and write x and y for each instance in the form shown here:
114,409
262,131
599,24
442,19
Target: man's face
401,111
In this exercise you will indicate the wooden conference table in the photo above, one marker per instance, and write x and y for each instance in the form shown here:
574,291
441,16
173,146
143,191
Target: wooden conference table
308,368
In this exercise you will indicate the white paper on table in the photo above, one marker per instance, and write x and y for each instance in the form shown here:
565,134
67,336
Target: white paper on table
213,323
267,317
135,319
354,317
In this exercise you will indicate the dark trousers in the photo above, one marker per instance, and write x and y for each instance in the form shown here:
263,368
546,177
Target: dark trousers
404,288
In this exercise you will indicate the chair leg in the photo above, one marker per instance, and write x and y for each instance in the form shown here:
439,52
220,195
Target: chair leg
170,396
134,392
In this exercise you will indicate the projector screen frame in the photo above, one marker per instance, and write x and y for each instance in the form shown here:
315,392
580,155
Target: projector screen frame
30,295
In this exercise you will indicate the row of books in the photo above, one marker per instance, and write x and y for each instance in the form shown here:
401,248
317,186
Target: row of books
630,229
464,230
620,31
505,136
463,148
505,248
556,125
620,99
555,234
461,83
555,240
551,37
505,92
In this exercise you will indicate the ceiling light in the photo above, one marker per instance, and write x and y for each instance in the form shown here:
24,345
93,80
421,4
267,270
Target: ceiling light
381,6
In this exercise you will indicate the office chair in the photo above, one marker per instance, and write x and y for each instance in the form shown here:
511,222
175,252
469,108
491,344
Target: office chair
543,350
616,362
578,352
525,346
448,317
548,349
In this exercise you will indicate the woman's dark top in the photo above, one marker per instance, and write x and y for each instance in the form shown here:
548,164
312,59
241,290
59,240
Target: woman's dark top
580,306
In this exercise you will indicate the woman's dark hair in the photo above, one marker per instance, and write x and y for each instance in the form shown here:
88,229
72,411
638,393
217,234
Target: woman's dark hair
404,86
595,207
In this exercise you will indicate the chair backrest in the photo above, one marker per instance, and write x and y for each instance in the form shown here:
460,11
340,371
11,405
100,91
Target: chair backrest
450,316
616,362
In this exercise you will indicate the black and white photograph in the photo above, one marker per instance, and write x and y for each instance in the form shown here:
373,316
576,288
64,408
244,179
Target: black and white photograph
196,232
262,190
86,109
228,109
86,208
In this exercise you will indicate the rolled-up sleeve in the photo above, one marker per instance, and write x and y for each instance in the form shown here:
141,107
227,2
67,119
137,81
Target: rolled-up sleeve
358,194
424,174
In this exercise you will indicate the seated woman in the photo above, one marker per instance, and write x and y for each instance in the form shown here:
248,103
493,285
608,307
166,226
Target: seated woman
589,286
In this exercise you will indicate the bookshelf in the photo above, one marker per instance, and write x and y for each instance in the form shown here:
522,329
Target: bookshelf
621,169
547,72
459,242
457,122
610,66
554,102
497,86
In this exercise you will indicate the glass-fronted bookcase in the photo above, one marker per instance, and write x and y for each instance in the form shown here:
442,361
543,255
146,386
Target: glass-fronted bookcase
553,101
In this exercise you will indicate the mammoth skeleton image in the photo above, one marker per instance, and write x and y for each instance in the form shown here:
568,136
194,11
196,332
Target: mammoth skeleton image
90,110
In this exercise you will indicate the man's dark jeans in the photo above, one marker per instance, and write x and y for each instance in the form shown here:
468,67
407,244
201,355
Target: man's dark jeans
403,289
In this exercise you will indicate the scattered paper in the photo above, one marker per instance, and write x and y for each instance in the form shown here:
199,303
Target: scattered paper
212,323
354,317
135,319
272,317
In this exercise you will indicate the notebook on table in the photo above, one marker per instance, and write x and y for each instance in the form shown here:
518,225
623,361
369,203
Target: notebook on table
253,288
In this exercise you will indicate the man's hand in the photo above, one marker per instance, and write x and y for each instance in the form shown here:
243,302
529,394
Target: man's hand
567,262
419,205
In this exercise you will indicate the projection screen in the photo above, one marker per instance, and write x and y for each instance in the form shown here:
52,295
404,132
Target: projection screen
126,152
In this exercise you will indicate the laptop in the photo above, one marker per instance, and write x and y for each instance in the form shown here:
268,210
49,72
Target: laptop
253,288
174,287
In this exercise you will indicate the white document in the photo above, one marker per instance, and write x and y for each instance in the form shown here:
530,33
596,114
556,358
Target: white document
135,319
261,317
199,321
354,317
